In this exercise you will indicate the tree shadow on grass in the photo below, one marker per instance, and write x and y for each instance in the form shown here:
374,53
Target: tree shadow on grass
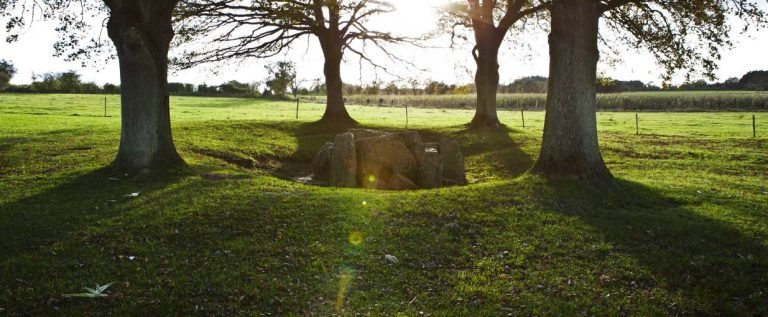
219,247
40,220
552,248
493,153
714,266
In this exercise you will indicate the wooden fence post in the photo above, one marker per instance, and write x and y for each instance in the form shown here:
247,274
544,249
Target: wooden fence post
522,115
406,115
754,127
105,107
297,108
637,124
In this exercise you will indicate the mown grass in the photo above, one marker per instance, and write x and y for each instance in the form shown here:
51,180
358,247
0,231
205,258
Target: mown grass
685,235
631,101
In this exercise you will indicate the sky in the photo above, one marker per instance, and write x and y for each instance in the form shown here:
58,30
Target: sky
33,53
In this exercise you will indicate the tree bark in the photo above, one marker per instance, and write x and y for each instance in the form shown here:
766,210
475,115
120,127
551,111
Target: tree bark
331,42
142,32
335,111
486,54
570,147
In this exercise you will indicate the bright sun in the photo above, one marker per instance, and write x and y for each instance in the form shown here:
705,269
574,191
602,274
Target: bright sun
414,17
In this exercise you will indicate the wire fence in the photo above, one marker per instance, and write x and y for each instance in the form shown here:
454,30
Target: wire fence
728,124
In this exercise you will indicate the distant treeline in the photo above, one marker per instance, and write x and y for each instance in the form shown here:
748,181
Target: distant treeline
753,81
627,101
66,82
70,82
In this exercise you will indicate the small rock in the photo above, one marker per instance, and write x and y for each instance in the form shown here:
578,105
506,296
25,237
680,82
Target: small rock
303,180
391,258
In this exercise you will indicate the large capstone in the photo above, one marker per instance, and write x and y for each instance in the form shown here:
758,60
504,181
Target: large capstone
389,161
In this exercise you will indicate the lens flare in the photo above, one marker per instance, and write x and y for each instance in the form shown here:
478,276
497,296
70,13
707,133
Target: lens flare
345,280
372,178
356,238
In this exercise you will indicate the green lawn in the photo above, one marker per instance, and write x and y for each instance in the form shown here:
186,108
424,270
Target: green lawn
686,235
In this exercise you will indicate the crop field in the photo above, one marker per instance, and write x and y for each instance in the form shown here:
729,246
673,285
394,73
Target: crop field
632,101
232,234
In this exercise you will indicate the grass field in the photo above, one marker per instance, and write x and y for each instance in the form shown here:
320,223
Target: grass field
686,235
631,101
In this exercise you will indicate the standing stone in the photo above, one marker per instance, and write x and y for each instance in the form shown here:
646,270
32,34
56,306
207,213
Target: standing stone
391,161
322,162
431,170
453,163
412,141
383,157
344,161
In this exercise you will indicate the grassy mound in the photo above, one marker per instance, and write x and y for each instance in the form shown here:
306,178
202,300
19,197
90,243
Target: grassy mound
685,235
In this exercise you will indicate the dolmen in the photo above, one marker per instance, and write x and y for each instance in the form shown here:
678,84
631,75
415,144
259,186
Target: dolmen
389,161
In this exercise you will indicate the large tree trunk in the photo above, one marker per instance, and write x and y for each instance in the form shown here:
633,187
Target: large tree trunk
141,31
570,146
486,80
335,111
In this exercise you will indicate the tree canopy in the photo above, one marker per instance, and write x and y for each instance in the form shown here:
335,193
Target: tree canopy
265,28
234,30
682,35
490,22
282,76
7,70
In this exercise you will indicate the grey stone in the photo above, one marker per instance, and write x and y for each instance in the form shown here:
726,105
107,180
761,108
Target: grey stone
322,162
432,145
431,170
412,141
390,161
381,158
361,134
344,161
453,163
